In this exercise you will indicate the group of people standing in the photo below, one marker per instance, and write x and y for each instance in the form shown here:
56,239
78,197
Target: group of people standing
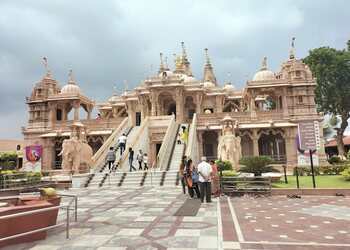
201,180
141,157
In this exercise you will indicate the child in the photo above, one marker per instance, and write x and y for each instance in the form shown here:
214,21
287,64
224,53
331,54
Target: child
145,160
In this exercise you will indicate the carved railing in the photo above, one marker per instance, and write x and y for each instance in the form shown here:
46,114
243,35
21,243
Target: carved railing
110,142
241,117
166,142
92,124
192,146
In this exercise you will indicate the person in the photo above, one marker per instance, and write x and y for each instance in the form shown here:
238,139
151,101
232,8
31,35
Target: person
214,179
110,158
181,173
192,181
122,142
184,134
99,116
205,171
131,158
139,158
145,161
179,139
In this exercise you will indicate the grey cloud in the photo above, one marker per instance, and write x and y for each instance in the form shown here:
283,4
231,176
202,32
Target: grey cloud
105,42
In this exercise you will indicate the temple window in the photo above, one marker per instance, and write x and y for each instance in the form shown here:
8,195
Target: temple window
300,99
297,73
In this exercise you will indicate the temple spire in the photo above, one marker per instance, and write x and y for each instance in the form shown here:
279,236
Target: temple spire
115,93
161,66
126,86
208,70
185,63
291,53
151,70
166,63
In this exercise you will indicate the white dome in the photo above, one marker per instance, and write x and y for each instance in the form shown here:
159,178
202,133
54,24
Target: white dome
207,111
190,79
168,73
70,88
114,98
264,75
208,85
229,87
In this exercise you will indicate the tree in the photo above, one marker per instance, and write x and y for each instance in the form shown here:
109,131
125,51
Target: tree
331,67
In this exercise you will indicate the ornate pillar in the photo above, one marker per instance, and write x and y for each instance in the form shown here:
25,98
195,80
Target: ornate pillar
89,110
179,106
219,104
52,114
154,103
285,104
200,142
198,102
76,105
255,138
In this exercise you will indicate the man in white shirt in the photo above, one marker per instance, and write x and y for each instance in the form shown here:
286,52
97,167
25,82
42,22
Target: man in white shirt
122,142
205,172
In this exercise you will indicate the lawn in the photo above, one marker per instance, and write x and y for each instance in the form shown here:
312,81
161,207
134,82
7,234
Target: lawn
322,181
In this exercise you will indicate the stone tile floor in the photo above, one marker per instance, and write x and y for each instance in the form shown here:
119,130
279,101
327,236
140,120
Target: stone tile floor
142,218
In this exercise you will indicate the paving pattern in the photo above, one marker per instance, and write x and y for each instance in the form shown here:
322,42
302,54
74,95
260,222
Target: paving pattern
142,218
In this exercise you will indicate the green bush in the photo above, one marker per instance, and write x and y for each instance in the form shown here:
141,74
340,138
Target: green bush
321,170
226,165
346,174
335,160
229,173
257,165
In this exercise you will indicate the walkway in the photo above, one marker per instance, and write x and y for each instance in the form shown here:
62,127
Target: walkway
142,218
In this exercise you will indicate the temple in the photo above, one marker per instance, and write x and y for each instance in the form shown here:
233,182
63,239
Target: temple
266,113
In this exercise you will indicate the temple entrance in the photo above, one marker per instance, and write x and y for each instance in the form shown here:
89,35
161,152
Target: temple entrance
273,145
247,146
138,119
210,145
172,109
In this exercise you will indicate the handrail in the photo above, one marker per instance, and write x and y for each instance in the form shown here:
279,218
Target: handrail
67,207
192,145
165,143
112,139
143,126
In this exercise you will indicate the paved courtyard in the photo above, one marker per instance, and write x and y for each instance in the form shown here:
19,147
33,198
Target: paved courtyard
142,218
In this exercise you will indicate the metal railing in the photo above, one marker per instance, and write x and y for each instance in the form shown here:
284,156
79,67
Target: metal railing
64,207
27,180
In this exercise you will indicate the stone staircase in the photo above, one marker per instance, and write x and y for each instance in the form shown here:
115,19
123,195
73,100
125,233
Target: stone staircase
100,177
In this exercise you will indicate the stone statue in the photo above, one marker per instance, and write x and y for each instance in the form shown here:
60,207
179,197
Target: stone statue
229,146
76,153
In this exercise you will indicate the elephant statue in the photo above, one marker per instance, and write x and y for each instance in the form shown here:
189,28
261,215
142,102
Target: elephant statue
76,155
229,148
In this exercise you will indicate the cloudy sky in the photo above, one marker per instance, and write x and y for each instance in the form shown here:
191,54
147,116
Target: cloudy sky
107,42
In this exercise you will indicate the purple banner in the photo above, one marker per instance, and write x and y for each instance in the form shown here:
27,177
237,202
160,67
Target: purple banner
33,154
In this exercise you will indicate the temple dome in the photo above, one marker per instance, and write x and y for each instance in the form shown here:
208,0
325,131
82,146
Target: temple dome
70,88
190,79
168,73
208,85
264,75
229,87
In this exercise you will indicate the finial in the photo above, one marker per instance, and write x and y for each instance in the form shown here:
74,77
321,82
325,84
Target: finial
166,63
151,69
161,61
70,76
48,72
264,64
229,77
174,55
207,56
184,55
126,86
178,63
115,90
291,54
